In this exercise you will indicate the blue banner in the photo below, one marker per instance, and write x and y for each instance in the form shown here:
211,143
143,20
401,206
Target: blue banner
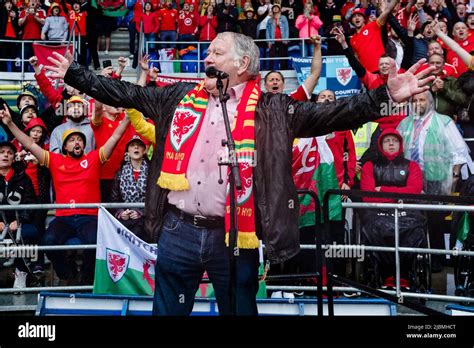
336,75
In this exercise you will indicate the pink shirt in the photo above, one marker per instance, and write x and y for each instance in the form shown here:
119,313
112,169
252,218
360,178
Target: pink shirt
205,195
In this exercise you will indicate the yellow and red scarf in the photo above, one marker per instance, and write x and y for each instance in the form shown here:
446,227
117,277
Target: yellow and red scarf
183,133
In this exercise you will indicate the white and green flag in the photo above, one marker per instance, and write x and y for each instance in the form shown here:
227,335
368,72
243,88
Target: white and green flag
125,265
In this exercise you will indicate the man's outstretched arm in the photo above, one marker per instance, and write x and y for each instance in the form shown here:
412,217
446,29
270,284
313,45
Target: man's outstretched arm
112,92
308,120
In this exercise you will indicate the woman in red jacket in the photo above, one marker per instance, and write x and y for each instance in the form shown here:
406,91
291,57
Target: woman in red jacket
208,24
151,24
391,172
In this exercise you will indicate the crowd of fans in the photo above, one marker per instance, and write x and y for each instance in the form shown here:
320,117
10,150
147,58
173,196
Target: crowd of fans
87,152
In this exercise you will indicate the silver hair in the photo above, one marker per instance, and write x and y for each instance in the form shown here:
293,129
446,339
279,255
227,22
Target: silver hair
244,46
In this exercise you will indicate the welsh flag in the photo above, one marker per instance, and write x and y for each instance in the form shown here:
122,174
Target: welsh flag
313,169
125,265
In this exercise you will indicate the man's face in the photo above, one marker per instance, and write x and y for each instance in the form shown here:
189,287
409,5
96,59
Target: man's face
434,47
185,6
274,83
136,150
55,11
75,111
221,55
326,96
438,62
384,65
443,27
36,133
460,31
169,3
461,10
32,4
28,115
26,100
420,104
470,21
74,146
76,7
8,6
358,20
6,157
391,144
428,31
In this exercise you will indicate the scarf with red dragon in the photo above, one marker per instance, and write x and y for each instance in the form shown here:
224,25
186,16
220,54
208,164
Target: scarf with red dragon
184,130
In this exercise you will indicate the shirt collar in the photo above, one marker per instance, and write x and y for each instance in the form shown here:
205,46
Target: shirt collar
237,91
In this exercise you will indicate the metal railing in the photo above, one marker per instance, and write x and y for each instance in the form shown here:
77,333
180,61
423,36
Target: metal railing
302,43
397,249
21,60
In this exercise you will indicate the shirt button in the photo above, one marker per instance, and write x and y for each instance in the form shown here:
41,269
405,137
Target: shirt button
199,183
212,123
202,161
207,141
217,105
199,204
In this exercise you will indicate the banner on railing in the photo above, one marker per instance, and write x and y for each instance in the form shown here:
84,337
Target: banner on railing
125,265
336,75
162,81
44,51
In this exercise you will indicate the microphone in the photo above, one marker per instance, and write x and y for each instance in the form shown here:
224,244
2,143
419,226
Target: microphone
212,72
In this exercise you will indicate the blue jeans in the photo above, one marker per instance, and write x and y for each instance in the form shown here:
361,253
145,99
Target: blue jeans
168,35
30,236
64,228
184,253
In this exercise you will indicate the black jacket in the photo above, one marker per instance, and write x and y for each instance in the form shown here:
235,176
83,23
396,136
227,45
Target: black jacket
4,15
18,190
278,120
420,45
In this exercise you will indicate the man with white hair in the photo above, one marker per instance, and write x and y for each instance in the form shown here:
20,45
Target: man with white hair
433,141
186,203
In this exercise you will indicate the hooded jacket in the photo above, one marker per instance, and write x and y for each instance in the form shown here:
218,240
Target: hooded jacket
391,172
40,176
275,129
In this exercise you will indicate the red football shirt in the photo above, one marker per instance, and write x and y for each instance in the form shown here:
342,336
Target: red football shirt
453,58
368,45
168,18
448,70
299,94
31,27
102,133
75,180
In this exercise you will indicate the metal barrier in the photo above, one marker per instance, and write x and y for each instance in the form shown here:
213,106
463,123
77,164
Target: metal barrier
199,44
21,60
397,249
